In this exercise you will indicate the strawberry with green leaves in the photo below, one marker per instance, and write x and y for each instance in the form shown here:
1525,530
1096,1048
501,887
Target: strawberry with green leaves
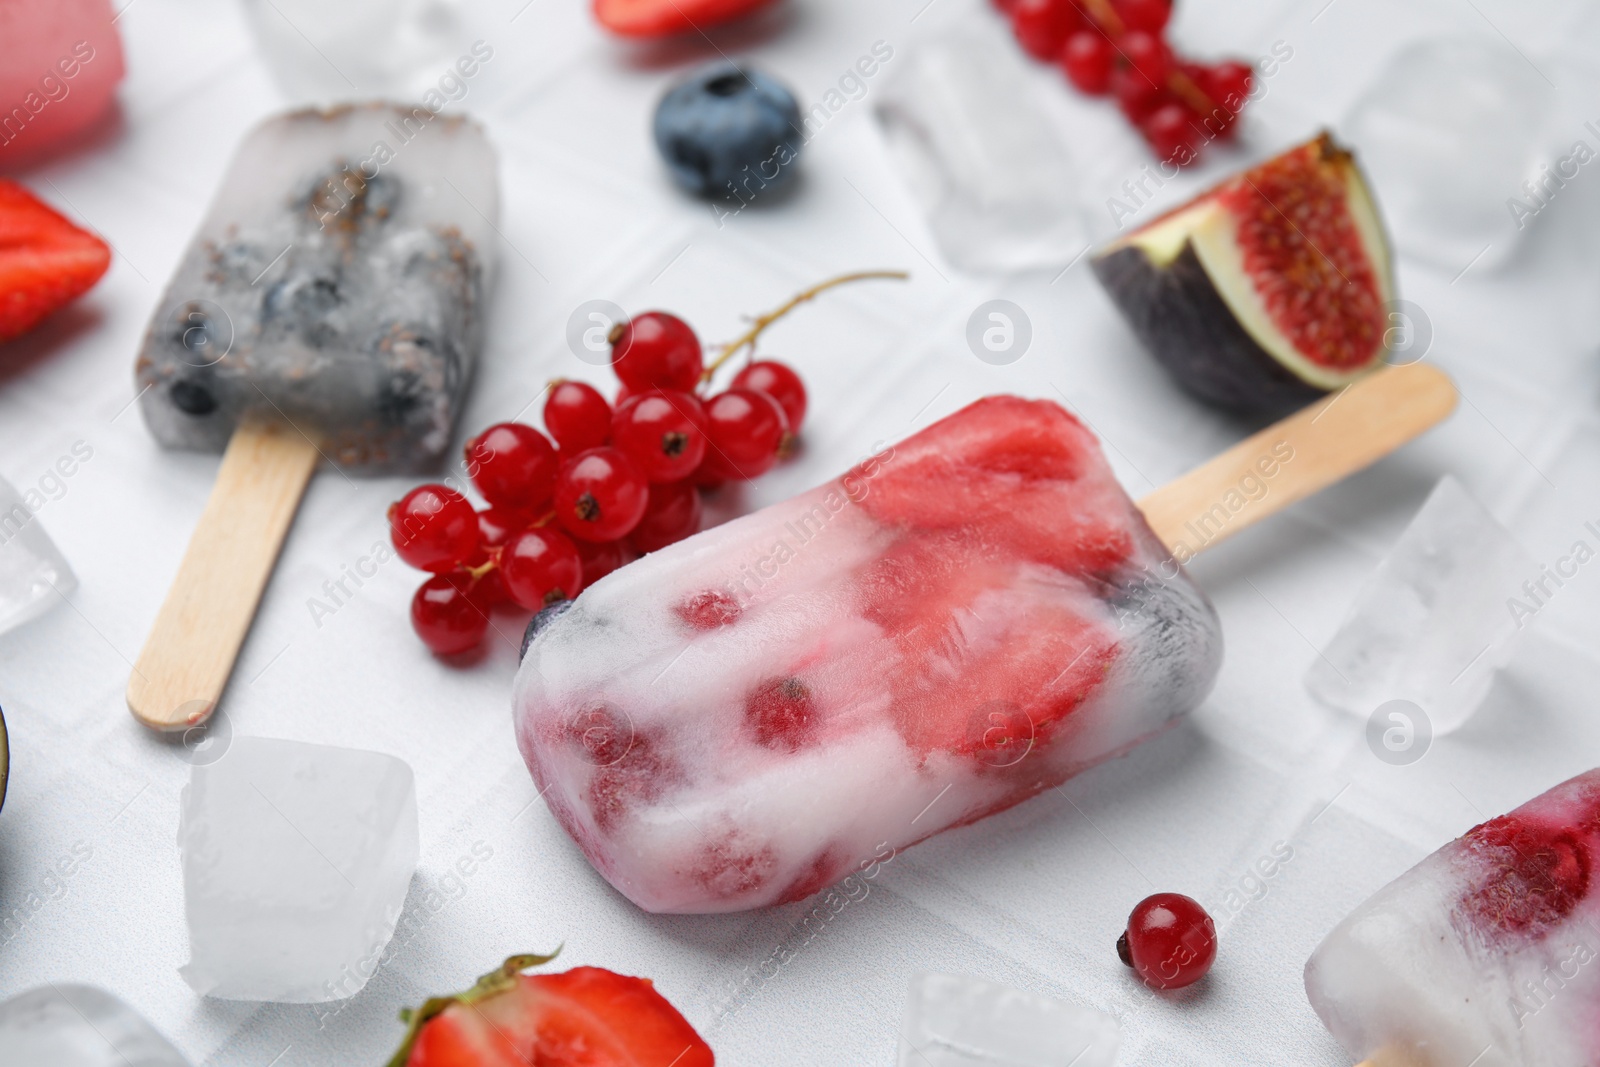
585,1017
46,262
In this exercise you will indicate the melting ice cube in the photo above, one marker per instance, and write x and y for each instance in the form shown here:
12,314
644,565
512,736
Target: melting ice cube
954,1021
32,570
1432,626
296,862
64,1025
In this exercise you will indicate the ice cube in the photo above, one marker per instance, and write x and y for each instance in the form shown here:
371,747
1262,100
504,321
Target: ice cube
64,1025
356,49
955,1021
1449,132
990,172
1433,624
296,861
60,62
33,574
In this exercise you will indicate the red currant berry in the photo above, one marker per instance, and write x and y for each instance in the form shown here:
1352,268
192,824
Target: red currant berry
1170,941
513,466
434,528
746,428
600,495
446,618
657,351
780,713
489,591
1228,84
709,609
600,558
1042,26
1136,95
1088,58
673,514
541,566
577,416
781,383
1172,134
1148,55
1149,16
495,528
663,432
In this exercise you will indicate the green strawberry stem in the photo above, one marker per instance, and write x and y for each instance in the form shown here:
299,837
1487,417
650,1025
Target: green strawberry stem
501,980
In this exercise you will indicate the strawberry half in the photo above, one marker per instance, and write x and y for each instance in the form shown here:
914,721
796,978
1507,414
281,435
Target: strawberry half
45,261
663,18
585,1017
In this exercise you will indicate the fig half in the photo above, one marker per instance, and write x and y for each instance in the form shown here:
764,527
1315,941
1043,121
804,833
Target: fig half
1267,291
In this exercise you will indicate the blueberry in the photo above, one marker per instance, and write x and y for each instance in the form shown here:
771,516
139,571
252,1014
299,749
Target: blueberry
192,398
729,131
544,618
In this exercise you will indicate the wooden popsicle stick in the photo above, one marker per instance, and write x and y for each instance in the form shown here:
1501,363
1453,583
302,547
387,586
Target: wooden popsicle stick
202,624
1298,456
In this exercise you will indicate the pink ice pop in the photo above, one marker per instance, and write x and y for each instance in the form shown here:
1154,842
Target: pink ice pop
1486,953
60,62
964,620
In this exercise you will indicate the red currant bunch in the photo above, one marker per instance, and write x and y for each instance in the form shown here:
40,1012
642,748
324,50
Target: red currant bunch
607,485
1170,941
1119,47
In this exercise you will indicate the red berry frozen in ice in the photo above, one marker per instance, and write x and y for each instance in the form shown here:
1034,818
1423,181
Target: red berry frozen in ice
513,466
540,566
663,431
709,609
1170,941
657,351
434,528
672,515
577,416
1089,58
446,618
746,429
600,495
781,713
781,383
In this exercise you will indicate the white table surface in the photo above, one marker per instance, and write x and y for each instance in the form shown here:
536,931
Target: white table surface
1034,897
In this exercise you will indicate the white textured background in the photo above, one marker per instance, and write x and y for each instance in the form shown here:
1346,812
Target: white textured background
1034,897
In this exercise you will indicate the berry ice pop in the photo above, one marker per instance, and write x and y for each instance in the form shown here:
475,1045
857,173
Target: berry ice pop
331,305
965,619
1482,954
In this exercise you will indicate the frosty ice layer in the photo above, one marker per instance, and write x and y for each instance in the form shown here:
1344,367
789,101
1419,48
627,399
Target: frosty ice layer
337,281
1485,953
965,619
67,1025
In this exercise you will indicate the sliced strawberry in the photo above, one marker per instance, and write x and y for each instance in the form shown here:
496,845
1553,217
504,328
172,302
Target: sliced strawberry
585,1017
663,18
45,261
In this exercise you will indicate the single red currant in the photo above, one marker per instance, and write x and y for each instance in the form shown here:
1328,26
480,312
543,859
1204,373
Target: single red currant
495,528
1088,58
600,495
1172,134
1148,55
446,618
672,515
577,416
781,383
745,428
663,432
513,466
1136,95
1170,941
1150,16
1228,84
657,351
600,558
541,566
434,528
1042,26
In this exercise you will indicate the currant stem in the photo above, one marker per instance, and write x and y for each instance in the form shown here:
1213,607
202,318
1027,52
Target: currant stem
1104,15
1192,94
761,323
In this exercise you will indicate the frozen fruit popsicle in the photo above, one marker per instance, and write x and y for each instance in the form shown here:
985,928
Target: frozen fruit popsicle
60,63
331,304
1485,953
960,622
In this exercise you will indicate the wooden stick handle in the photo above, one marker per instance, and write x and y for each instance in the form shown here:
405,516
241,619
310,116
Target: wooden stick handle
203,622
1301,455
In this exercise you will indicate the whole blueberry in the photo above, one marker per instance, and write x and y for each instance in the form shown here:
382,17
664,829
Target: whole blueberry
544,618
729,131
